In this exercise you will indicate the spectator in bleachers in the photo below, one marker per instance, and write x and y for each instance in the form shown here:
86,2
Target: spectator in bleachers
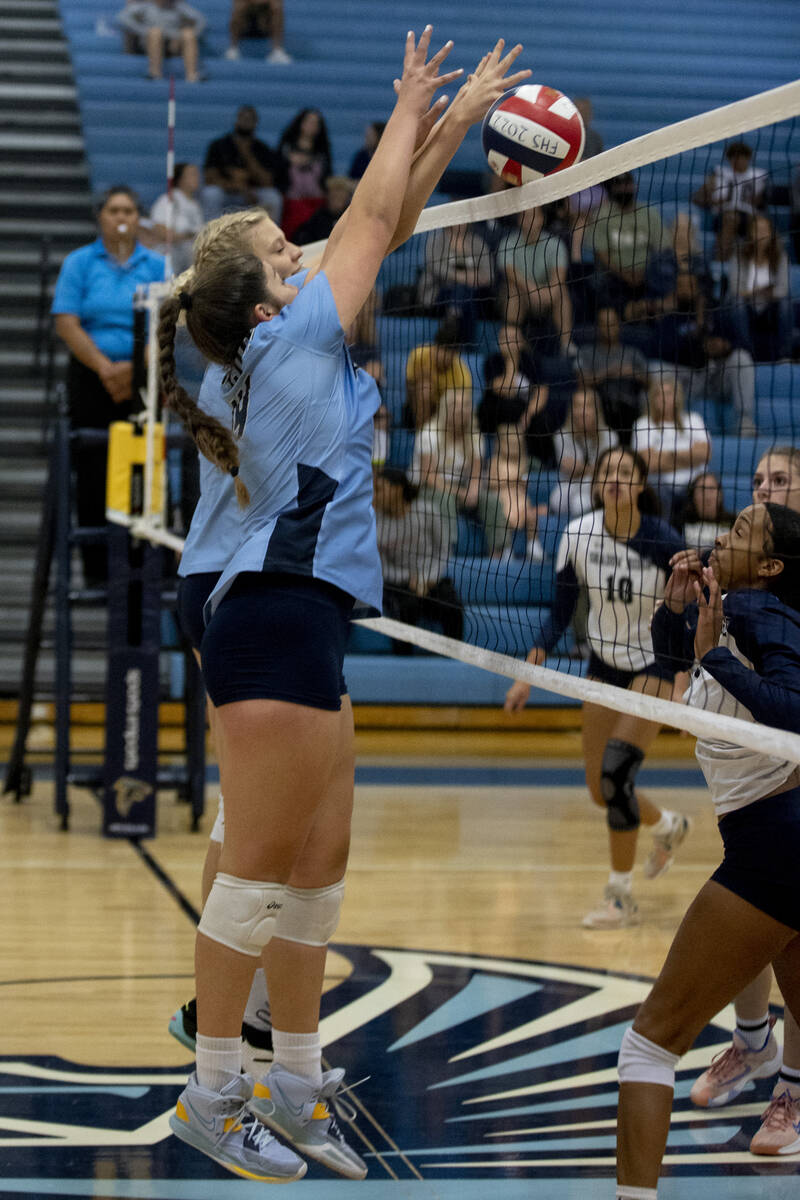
180,212
760,311
415,547
623,236
578,445
446,458
503,502
513,397
432,370
163,27
688,334
674,443
241,171
733,192
458,275
681,254
617,371
361,158
93,309
306,153
258,18
338,194
533,263
704,516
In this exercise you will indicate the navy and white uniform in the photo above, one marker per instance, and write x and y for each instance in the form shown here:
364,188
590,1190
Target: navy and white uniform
624,580
304,421
753,674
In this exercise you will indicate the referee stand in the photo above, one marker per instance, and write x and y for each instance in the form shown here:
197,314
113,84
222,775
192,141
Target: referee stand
139,592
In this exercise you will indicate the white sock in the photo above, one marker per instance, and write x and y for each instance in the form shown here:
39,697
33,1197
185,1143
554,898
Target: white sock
217,1060
300,1053
754,1032
664,823
624,1192
621,881
257,1011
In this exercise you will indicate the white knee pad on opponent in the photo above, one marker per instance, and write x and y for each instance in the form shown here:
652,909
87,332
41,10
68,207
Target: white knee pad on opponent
642,1061
242,913
218,832
310,915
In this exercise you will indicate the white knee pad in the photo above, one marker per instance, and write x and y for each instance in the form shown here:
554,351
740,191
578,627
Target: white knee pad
642,1061
218,832
242,913
310,915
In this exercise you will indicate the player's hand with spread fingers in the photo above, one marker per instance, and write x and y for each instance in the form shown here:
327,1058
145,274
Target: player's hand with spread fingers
421,78
488,82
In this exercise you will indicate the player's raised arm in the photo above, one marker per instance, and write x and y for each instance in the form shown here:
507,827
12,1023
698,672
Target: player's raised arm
352,264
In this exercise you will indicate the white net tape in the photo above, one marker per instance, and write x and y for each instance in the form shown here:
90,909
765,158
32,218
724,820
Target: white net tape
769,107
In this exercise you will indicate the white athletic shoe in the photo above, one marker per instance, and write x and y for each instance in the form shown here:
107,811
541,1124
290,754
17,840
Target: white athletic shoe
219,1124
232,53
299,1112
662,855
278,55
733,1069
618,911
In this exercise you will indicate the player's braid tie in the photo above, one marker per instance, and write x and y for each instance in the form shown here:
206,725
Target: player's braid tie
210,436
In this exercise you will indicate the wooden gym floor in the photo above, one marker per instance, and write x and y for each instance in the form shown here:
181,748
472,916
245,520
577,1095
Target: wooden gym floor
461,983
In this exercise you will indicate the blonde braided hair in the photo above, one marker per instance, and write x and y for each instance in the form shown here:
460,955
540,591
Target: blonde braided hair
216,312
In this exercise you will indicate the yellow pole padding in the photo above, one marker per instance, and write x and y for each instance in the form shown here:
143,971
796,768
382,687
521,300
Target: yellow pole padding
127,451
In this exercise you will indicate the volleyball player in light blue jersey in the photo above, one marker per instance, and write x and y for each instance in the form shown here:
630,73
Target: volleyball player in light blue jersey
310,484
273,650
213,536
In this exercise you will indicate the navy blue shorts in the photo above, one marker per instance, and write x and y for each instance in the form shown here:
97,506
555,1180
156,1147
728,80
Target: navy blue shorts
193,591
278,637
762,850
607,674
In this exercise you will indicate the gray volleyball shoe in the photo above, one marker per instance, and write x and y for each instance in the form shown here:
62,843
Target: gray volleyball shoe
220,1125
301,1113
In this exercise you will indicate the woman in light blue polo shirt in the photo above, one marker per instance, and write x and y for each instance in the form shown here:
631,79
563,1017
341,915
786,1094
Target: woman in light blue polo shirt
93,310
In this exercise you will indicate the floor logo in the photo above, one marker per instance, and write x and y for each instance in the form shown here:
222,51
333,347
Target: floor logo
479,1069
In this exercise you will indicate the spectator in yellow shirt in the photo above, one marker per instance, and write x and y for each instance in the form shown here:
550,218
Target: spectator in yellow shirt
431,371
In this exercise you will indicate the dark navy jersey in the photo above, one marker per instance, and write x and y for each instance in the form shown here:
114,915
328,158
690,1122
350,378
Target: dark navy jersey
753,673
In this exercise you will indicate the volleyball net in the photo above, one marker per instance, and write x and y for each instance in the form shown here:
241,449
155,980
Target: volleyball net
647,299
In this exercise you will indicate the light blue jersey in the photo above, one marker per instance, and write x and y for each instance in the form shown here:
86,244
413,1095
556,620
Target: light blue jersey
216,527
304,421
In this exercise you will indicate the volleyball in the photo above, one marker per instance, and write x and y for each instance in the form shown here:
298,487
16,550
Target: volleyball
530,132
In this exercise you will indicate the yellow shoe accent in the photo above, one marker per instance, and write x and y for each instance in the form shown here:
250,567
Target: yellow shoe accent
262,1091
181,1112
321,1112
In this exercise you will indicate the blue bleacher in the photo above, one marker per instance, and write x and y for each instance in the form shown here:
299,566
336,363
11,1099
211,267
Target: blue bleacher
644,66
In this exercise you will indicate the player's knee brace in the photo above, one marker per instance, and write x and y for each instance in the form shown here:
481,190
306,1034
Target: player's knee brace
310,915
621,761
642,1061
242,913
218,832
